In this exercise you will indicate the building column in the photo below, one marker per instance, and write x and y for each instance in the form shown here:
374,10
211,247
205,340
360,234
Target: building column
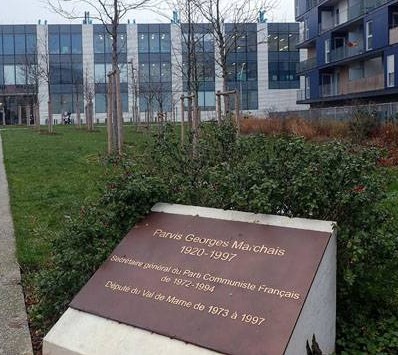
19,114
132,70
42,59
88,65
262,68
176,70
27,114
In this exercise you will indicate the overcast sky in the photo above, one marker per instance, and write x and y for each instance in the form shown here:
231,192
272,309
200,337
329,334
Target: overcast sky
30,11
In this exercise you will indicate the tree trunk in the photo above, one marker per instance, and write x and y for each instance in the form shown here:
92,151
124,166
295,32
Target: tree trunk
50,117
36,115
109,123
91,114
78,118
119,114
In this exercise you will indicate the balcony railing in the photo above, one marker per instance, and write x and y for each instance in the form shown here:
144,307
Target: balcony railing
305,65
370,83
345,52
375,82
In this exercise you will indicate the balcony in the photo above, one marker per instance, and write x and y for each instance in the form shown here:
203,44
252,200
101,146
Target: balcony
305,65
393,37
350,14
303,94
375,82
349,50
304,35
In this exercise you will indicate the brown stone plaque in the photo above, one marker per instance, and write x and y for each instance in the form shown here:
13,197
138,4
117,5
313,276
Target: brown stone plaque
234,287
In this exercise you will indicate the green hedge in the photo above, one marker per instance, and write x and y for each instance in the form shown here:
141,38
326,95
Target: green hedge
283,175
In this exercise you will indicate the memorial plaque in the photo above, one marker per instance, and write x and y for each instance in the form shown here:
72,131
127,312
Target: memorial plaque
233,287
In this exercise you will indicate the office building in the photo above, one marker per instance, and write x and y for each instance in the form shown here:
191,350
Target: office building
152,59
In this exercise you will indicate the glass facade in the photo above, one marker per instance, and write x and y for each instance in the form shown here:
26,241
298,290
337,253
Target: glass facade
66,67
17,56
200,54
195,65
154,68
283,57
242,63
102,47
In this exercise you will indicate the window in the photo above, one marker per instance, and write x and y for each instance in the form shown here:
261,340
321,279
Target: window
99,73
273,42
66,73
165,43
390,71
369,35
19,44
283,42
108,43
293,40
100,103
154,42
99,43
155,72
53,43
64,43
123,73
9,75
394,19
31,43
20,75
208,43
165,75
122,43
8,44
327,50
76,43
143,43
144,73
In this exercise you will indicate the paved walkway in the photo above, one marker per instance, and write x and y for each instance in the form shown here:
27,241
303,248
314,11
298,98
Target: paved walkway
14,331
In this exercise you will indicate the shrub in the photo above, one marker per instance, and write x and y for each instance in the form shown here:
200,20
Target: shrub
285,176
363,124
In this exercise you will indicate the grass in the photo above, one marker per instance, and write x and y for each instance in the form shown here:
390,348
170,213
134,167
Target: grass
50,177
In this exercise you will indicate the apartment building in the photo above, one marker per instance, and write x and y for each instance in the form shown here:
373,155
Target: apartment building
351,51
152,59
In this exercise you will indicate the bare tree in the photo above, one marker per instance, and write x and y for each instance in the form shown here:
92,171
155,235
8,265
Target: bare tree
236,13
109,13
88,94
134,88
31,72
78,92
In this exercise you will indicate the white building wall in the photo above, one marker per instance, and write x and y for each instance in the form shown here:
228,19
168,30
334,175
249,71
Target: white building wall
132,69
273,100
88,62
262,66
43,62
176,70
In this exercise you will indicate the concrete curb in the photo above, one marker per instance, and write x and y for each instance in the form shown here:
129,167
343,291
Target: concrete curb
14,330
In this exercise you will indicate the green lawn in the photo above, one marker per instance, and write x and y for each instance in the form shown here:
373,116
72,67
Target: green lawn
50,177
